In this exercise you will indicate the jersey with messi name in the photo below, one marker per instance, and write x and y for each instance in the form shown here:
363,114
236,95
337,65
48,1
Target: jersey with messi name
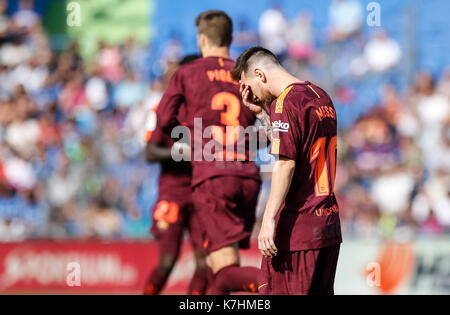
304,129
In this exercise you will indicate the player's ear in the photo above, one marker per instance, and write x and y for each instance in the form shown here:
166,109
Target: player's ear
201,39
260,75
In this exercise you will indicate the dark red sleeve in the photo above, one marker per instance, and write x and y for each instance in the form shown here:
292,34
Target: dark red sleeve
170,103
285,132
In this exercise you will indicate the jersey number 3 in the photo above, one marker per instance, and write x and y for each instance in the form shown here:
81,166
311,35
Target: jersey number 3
228,134
324,182
229,118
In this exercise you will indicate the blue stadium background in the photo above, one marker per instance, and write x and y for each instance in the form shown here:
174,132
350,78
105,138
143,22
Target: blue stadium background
421,27
426,23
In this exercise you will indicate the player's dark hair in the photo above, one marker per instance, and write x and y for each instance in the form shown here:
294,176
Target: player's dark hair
189,58
242,63
217,26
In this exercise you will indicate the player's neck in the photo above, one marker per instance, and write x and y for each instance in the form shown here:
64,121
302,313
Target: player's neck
284,79
220,52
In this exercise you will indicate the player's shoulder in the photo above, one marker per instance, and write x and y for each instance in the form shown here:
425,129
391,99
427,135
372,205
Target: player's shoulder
211,70
290,99
215,62
188,72
317,104
187,68
306,94
212,66
229,62
299,96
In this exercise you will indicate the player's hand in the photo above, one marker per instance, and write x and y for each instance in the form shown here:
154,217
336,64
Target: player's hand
266,243
250,101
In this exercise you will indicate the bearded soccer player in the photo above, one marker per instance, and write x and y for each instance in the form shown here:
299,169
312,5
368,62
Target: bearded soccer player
173,213
226,184
300,234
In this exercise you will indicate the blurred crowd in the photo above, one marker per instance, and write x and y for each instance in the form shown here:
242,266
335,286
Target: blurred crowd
72,129
71,136
394,172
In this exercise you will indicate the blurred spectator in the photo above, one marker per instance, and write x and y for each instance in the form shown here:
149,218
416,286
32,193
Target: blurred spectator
173,50
382,53
135,59
102,221
110,63
4,19
96,90
433,109
346,17
432,203
444,84
15,52
272,30
392,191
22,132
300,37
64,183
244,36
129,92
25,17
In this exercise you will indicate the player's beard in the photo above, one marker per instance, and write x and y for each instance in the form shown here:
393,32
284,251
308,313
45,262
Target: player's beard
267,98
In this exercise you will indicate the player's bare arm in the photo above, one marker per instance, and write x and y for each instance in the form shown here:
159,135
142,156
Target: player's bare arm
155,153
257,108
281,181
265,121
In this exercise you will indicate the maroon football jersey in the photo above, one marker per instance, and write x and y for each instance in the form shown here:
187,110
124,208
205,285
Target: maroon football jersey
213,98
305,130
175,177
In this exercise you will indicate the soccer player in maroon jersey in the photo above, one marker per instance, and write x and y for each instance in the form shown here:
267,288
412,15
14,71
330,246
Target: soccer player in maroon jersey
300,234
226,186
172,214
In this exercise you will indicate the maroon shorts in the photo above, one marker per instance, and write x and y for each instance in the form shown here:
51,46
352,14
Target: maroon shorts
309,272
171,217
226,207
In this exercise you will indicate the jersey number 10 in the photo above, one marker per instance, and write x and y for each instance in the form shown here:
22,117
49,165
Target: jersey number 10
324,185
